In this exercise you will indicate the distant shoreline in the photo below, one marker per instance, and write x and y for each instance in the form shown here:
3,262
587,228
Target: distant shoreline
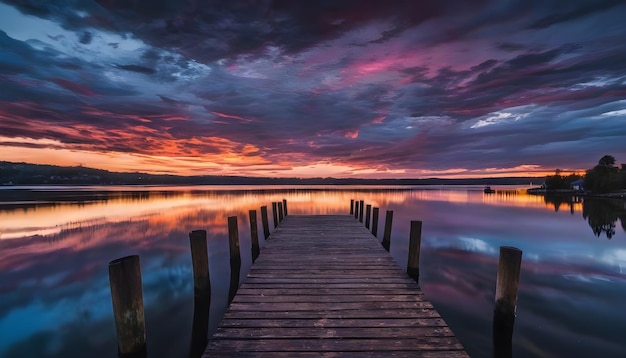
20,174
572,192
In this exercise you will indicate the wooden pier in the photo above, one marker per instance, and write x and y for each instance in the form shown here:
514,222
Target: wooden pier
324,286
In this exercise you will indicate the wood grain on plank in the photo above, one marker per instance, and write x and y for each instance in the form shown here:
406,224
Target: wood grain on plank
324,286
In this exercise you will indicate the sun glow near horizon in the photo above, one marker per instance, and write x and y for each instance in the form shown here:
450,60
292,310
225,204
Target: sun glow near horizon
235,164
353,94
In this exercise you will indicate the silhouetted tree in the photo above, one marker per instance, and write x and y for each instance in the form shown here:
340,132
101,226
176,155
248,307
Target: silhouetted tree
604,177
558,181
558,200
607,161
601,216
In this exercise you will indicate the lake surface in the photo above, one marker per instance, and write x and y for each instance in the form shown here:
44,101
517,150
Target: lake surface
56,243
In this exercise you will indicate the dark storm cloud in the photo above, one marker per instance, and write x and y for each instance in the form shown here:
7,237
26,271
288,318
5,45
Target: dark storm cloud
137,68
31,71
573,10
432,84
512,47
215,29
85,38
16,55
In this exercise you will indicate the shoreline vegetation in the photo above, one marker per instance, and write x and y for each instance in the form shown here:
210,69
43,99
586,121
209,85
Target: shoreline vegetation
18,174
605,180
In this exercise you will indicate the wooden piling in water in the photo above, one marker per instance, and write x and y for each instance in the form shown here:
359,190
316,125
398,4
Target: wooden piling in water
361,205
368,211
275,214
254,235
127,298
285,206
202,292
415,242
351,206
199,325
266,224
387,234
235,257
507,285
200,262
281,216
375,221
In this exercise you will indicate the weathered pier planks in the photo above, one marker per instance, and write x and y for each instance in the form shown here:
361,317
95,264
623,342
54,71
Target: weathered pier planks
324,286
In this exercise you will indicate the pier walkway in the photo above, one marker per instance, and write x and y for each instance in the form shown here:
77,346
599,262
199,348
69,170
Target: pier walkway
324,286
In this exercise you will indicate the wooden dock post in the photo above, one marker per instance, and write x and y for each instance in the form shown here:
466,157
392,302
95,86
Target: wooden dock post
127,298
361,205
356,209
280,212
375,222
254,235
285,206
507,284
202,292
351,206
200,325
235,257
200,262
415,242
266,224
368,211
387,234
275,214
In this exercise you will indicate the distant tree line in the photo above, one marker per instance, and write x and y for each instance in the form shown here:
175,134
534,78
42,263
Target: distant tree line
35,174
558,181
605,177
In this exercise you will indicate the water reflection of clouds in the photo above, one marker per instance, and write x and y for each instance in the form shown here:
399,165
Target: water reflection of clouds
616,258
477,245
64,274
558,302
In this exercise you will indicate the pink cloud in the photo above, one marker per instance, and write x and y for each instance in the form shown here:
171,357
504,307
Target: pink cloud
230,116
72,86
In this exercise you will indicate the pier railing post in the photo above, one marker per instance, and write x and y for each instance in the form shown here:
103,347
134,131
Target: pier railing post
127,298
235,257
254,235
507,285
200,262
351,206
387,234
356,209
266,224
375,221
415,240
275,213
361,205
285,206
368,211
202,292
280,212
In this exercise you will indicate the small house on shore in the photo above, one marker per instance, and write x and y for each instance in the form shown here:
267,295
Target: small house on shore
578,185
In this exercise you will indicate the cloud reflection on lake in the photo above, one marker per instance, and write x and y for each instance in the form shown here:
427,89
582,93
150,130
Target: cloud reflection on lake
55,301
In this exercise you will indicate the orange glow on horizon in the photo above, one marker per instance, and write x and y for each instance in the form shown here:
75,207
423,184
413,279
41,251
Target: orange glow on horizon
230,158
216,204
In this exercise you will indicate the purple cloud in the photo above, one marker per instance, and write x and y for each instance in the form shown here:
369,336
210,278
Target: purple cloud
405,87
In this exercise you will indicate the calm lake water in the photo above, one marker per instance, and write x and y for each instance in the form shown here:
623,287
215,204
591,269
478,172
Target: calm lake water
56,243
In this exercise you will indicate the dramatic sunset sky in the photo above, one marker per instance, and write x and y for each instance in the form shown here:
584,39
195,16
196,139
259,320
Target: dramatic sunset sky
358,88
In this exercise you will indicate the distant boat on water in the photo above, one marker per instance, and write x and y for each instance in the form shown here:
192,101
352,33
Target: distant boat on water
488,190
